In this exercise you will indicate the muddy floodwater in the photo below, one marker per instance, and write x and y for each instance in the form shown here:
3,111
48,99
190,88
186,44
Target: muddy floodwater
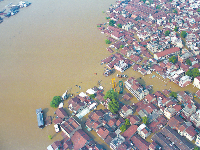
45,49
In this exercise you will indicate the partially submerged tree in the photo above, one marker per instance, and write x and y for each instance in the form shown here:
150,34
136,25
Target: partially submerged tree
173,94
55,102
107,41
50,137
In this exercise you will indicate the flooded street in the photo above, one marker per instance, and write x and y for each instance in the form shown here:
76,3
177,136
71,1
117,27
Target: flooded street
45,49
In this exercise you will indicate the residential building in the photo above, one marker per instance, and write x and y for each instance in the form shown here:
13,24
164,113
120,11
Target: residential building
143,131
125,111
196,82
166,53
70,126
135,88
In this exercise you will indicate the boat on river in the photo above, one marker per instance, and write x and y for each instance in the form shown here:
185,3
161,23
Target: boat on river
40,118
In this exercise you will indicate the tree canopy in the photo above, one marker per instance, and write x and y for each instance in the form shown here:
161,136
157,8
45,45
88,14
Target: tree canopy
193,73
127,122
121,46
175,11
173,94
167,33
176,29
183,34
158,7
145,120
113,106
92,96
173,59
188,62
107,41
123,128
55,102
198,10
119,25
111,22
111,94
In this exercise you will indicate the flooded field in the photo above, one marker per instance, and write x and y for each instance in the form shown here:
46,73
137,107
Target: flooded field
45,49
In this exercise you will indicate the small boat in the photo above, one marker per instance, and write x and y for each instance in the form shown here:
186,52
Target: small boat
40,118
65,96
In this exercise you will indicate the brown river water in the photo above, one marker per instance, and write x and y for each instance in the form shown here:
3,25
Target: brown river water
46,49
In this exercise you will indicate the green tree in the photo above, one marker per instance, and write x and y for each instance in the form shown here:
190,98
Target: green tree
167,33
158,7
183,34
113,106
123,128
119,25
107,41
121,46
111,22
127,122
176,29
145,120
189,73
92,96
188,62
198,10
144,1
55,102
50,137
173,59
196,148
111,94
173,94
175,11
107,17
193,73
170,20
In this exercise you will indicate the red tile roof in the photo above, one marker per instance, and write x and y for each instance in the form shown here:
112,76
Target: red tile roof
130,132
168,51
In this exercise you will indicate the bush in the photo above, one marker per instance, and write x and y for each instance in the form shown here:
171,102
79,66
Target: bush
50,137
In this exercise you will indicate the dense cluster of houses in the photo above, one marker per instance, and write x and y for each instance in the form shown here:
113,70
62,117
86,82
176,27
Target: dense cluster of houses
145,21
172,122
